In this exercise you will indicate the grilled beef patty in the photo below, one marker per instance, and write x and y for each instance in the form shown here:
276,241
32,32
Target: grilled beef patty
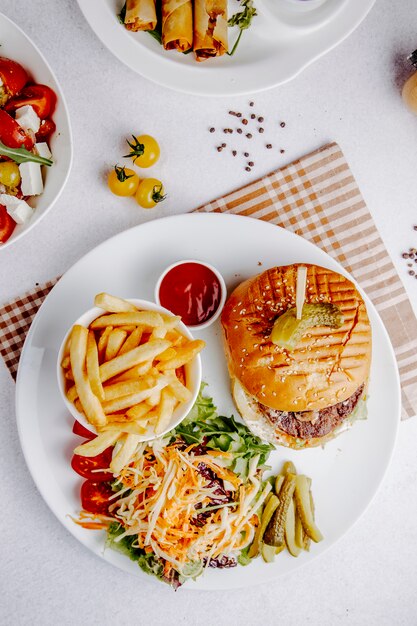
324,421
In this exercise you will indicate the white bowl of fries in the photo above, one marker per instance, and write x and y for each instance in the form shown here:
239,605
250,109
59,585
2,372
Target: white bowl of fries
128,369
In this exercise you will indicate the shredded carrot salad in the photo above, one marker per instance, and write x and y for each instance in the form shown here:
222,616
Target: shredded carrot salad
164,489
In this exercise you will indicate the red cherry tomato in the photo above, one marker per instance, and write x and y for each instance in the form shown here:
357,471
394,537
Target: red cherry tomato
95,496
13,75
87,466
7,224
46,129
13,135
81,431
40,97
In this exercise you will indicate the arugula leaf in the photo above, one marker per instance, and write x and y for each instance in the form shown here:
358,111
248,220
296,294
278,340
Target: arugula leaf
21,155
242,19
222,433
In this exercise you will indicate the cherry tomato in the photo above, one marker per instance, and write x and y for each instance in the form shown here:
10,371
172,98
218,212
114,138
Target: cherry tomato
7,224
122,181
40,97
13,76
47,128
9,174
149,193
13,135
144,150
81,431
95,496
88,466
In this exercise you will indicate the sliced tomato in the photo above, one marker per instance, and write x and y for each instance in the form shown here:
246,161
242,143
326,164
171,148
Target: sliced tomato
82,431
46,129
95,496
89,467
13,135
13,75
41,97
7,224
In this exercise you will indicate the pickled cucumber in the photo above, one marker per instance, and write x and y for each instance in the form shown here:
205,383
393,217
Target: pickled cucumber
274,533
267,513
305,509
290,528
288,330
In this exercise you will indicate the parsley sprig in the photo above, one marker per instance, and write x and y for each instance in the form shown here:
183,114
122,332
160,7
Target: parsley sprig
242,19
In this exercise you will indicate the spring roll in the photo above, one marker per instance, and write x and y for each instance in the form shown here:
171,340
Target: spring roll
140,15
210,28
177,25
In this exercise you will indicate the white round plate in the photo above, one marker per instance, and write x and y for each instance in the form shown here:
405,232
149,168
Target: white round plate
279,44
16,45
346,473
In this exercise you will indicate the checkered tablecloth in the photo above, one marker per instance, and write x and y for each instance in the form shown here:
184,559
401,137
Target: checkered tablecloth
316,197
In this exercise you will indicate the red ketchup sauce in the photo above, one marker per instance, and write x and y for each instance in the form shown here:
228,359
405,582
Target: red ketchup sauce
192,291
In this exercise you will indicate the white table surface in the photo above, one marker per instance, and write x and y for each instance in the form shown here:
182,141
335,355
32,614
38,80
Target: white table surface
351,96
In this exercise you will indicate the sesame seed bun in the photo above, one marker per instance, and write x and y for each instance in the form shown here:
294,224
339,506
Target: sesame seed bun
328,365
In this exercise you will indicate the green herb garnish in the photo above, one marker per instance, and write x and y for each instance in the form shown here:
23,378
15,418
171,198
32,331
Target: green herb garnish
156,34
122,15
21,155
242,19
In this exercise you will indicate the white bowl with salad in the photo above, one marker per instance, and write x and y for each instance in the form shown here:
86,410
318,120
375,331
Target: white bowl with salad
35,135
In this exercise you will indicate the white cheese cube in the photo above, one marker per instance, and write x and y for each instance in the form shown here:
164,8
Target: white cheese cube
19,210
43,150
27,118
31,184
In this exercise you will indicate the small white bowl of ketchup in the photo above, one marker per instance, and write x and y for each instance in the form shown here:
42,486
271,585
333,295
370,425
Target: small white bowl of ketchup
193,289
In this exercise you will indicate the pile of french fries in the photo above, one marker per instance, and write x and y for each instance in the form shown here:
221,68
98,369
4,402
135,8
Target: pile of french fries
125,372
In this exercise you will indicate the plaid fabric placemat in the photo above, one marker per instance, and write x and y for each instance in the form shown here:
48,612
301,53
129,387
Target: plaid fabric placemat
316,197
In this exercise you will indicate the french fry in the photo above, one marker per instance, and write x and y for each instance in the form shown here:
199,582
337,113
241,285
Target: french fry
159,332
140,318
97,445
69,375
129,328
132,341
179,390
72,394
134,428
112,304
167,354
133,357
102,343
125,453
180,373
93,366
90,403
184,355
66,363
134,373
114,343
166,409
79,406
171,321
125,402
154,399
118,390
139,411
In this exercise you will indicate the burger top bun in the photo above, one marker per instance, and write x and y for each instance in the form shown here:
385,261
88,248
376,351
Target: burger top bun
326,367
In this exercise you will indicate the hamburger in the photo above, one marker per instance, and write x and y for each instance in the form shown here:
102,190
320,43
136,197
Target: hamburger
297,383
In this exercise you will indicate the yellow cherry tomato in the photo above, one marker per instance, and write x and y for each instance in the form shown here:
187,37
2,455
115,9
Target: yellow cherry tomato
144,150
122,181
149,193
9,174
